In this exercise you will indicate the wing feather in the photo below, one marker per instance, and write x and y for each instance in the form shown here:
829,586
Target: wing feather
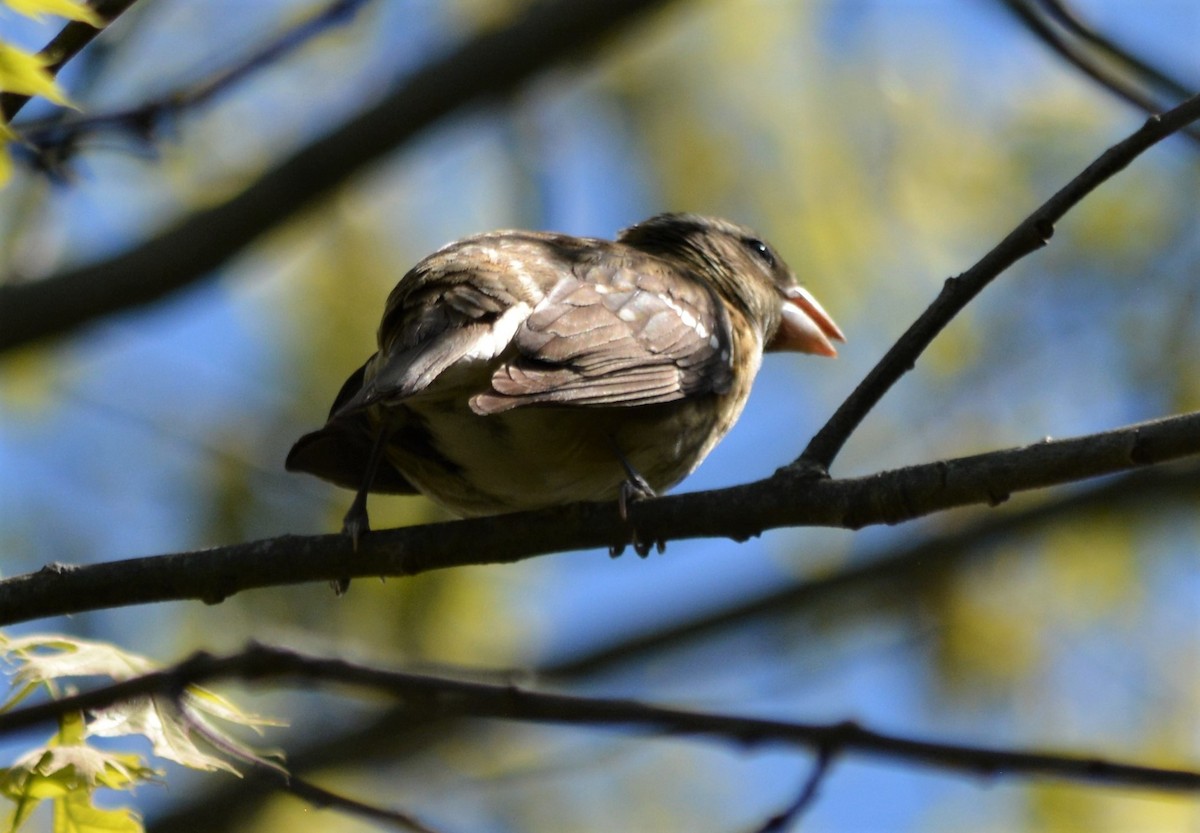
629,330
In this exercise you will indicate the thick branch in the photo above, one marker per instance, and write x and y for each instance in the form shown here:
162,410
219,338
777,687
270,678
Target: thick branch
493,63
908,565
436,697
1028,237
788,498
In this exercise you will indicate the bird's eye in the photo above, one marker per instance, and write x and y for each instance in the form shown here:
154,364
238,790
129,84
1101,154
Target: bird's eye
761,250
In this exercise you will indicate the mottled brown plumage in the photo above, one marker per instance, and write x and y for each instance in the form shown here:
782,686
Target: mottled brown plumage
518,369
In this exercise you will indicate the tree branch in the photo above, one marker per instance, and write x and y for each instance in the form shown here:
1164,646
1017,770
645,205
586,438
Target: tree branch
1033,233
393,734
906,566
787,498
435,697
786,818
1030,14
492,64
1066,17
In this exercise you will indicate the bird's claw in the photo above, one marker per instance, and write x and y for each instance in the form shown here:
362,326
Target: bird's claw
355,524
634,488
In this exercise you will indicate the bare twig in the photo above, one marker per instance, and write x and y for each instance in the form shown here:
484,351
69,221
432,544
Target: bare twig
433,697
1033,233
788,816
787,498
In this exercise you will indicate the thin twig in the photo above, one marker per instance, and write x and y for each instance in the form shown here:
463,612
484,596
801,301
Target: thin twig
1033,233
396,734
788,816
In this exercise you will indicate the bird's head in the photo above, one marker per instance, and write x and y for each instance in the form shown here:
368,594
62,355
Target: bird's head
747,272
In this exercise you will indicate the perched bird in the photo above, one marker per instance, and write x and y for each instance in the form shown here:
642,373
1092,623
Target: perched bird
520,369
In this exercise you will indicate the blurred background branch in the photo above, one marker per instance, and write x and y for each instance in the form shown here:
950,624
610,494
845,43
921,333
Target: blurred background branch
440,697
1115,68
492,64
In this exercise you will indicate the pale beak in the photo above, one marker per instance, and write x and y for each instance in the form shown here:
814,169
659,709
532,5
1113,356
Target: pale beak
806,326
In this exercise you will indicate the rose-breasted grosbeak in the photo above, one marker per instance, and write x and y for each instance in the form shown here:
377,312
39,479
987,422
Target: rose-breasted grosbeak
522,369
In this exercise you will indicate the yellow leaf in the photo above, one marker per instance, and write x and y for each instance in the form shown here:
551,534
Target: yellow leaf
26,74
70,9
5,164
74,813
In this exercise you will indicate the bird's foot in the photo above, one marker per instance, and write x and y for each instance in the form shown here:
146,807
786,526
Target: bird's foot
355,524
633,488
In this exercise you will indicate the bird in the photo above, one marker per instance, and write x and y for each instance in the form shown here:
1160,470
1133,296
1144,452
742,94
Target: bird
518,370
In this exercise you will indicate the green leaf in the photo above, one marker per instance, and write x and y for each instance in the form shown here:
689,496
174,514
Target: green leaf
74,813
67,772
6,136
179,730
54,771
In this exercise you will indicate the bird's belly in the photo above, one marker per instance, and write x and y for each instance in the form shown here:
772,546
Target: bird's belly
529,458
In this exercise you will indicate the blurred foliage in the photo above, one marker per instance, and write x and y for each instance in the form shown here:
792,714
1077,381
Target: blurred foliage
70,768
882,147
24,73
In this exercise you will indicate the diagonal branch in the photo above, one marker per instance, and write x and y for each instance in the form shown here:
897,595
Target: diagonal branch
492,64
788,498
1066,17
432,697
1033,233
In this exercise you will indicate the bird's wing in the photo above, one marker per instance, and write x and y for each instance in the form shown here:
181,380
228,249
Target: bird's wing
456,309
623,329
